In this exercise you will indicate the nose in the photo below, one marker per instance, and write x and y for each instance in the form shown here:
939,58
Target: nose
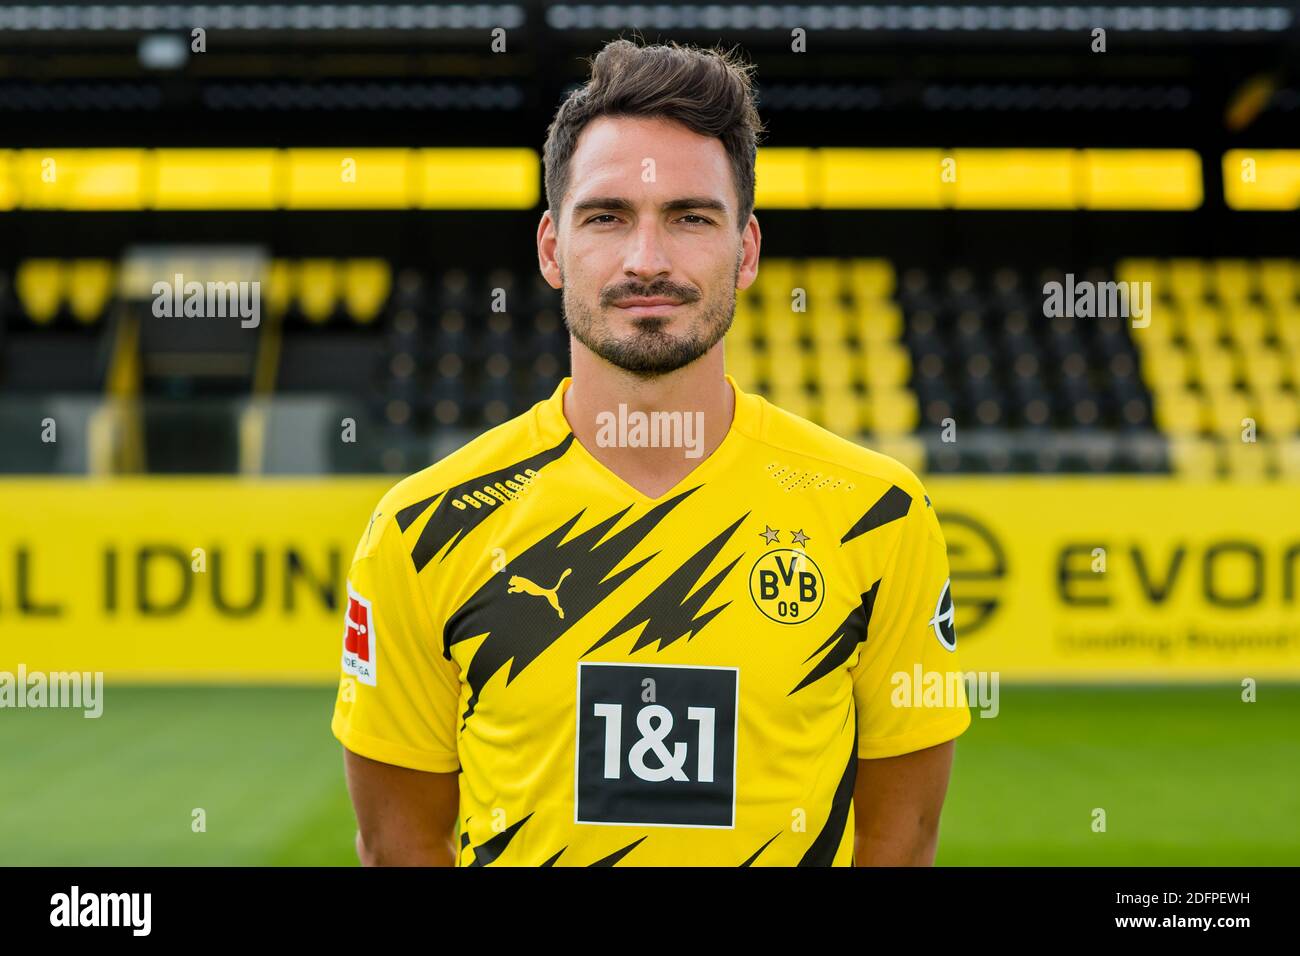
646,255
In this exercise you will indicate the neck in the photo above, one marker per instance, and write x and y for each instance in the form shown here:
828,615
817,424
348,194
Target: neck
699,392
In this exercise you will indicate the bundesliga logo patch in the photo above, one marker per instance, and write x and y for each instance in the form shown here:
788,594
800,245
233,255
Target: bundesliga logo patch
942,622
359,638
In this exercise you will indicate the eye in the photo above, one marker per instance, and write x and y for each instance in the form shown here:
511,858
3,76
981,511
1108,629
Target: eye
604,215
699,220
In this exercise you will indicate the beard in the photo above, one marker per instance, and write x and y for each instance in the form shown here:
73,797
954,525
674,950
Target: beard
651,350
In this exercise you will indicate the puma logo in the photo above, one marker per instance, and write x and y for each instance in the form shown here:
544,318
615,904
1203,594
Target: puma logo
521,584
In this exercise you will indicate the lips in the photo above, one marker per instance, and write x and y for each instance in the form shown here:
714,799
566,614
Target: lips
645,302
648,306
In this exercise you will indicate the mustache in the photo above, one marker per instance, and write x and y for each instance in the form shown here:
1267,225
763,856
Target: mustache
664,288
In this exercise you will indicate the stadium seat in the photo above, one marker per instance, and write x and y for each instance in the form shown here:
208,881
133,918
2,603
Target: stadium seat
316,289
366,284
90,286
40,287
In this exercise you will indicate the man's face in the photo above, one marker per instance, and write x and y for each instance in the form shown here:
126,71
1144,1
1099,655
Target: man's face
648,248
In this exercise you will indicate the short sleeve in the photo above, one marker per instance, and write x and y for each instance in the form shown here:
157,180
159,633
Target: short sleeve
399,697
908,687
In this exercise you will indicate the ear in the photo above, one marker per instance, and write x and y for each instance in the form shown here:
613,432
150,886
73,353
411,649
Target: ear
547,242
751,240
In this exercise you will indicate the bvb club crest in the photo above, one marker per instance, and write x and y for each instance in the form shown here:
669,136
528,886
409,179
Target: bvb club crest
787,586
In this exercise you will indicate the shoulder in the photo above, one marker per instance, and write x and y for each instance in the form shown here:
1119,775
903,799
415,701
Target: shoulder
505,457
812,445
879,489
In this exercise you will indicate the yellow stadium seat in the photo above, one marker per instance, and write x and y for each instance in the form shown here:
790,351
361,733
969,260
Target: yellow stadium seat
90,286
279,287
1179,411
879,322
777,280
886,364
786,369
835,368
1288,457
1264,366
841,411
1188,280
1229,409
1277,410
1277,280
781,329
1248,324
1155,271
871,279
1202,323
891,411
1194,457
40,288
1250,461
1216,366
1165,365
1234,280
829,326
366,283
1166,319
1287,327
317,288
824,280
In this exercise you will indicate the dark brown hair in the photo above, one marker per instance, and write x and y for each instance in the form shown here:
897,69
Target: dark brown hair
711,92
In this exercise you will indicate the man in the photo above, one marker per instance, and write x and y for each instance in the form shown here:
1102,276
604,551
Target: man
654,620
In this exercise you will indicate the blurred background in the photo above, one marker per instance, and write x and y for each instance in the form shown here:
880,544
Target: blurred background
180,494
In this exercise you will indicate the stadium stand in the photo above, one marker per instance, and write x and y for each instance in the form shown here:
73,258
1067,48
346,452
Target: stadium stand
881,354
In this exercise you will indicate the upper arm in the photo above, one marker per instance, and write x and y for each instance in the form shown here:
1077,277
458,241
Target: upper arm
896,806
405,817
908,687
399,694
909,695
397,709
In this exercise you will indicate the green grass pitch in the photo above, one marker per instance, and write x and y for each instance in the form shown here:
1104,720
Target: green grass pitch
1186,776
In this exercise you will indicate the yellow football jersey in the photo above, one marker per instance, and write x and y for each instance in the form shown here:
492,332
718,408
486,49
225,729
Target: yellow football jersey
681,680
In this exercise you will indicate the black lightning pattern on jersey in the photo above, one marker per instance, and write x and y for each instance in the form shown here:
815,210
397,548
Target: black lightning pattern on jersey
617,855
486,853
519,628
667,608
551,861
822,851
850,633
893,504
449,524
750,861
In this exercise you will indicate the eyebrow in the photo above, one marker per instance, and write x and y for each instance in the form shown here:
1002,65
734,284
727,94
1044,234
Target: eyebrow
672,205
